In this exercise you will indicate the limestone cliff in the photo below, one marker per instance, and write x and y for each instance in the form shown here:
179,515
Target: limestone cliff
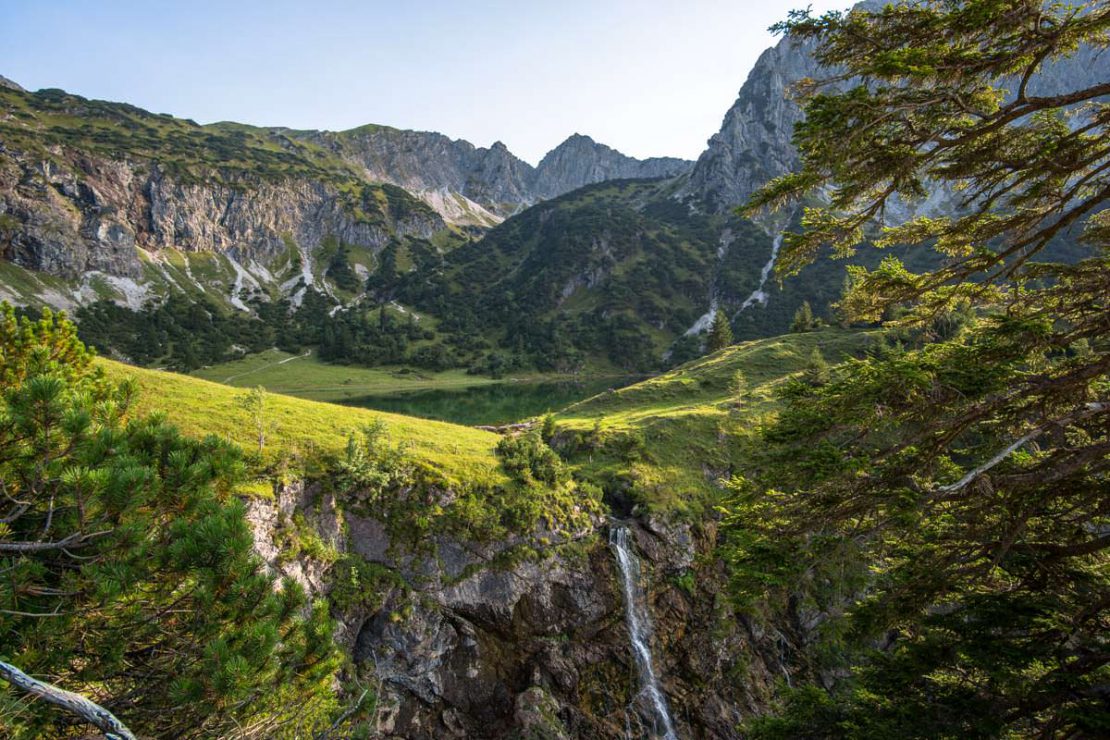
466,640
754,142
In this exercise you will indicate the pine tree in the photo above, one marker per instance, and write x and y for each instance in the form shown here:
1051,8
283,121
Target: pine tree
947,497
816,372
129,570
720,332
803,318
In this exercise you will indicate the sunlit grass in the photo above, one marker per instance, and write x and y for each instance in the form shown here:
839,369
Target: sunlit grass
457,454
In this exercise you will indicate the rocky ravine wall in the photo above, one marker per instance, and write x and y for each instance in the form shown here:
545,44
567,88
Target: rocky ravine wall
478,646
94,214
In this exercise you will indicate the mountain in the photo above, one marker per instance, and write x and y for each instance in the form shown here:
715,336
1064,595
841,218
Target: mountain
754,144
465,183
106,200
582,161
613,272
589,257
469,184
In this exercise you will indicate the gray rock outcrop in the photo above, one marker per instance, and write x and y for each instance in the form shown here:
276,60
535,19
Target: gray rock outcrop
754,144
582,161
469,643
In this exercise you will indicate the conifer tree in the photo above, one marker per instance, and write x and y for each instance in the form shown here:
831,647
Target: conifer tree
947,502
720,332
803,318
129,570
816,372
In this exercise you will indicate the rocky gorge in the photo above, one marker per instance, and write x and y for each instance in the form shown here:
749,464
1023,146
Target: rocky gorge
528,637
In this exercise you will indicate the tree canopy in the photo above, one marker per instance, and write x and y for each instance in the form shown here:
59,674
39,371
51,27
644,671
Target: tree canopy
129,574
945,502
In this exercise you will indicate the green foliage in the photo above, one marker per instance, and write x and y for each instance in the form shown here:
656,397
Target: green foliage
372,465
254,403
946,498
816,372
612,273
720,332
185,333
739,389
804,319
295,538
339,271
111,523
528,459
358,586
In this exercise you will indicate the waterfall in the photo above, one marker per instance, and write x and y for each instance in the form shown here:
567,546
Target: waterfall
758,295
639,631
706,319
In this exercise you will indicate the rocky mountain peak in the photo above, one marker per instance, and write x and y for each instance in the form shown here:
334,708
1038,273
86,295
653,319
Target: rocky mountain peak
11,85
754,144
580,160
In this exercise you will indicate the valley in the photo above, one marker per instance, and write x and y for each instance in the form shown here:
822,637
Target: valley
449,395
379,433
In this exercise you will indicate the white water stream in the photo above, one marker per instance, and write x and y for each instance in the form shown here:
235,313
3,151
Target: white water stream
758,295
638,619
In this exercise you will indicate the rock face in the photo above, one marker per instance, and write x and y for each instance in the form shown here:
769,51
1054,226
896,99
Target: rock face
754,143
582,161
466,183
75,214
5,82
485,185
478,645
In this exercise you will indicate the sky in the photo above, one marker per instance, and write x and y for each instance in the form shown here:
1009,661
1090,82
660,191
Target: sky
647,77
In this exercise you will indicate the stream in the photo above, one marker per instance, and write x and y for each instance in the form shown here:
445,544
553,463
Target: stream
759,295
638,618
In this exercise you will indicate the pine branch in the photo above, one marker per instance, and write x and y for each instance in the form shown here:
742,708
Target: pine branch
74,540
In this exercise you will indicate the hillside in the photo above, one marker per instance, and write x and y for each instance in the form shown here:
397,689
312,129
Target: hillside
614,272
663,445
657,442
453,454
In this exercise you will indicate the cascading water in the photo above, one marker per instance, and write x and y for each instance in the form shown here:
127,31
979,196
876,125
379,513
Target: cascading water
759,295
639,631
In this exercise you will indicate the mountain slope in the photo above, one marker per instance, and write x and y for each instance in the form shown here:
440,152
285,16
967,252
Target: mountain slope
616,272
469,184
105,200
754,142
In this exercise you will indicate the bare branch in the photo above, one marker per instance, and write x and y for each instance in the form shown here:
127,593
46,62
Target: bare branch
74,540
86,709
1090,409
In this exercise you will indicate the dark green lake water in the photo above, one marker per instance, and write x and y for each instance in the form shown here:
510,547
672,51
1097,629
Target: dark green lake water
499,403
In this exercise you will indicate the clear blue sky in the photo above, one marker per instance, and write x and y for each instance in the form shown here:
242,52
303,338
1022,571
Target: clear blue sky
649,77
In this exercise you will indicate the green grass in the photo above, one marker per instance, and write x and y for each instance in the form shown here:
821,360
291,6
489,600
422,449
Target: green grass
664,440
662,443
455,454
309,377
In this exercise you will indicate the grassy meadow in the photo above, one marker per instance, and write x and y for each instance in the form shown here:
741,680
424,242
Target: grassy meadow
298,426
